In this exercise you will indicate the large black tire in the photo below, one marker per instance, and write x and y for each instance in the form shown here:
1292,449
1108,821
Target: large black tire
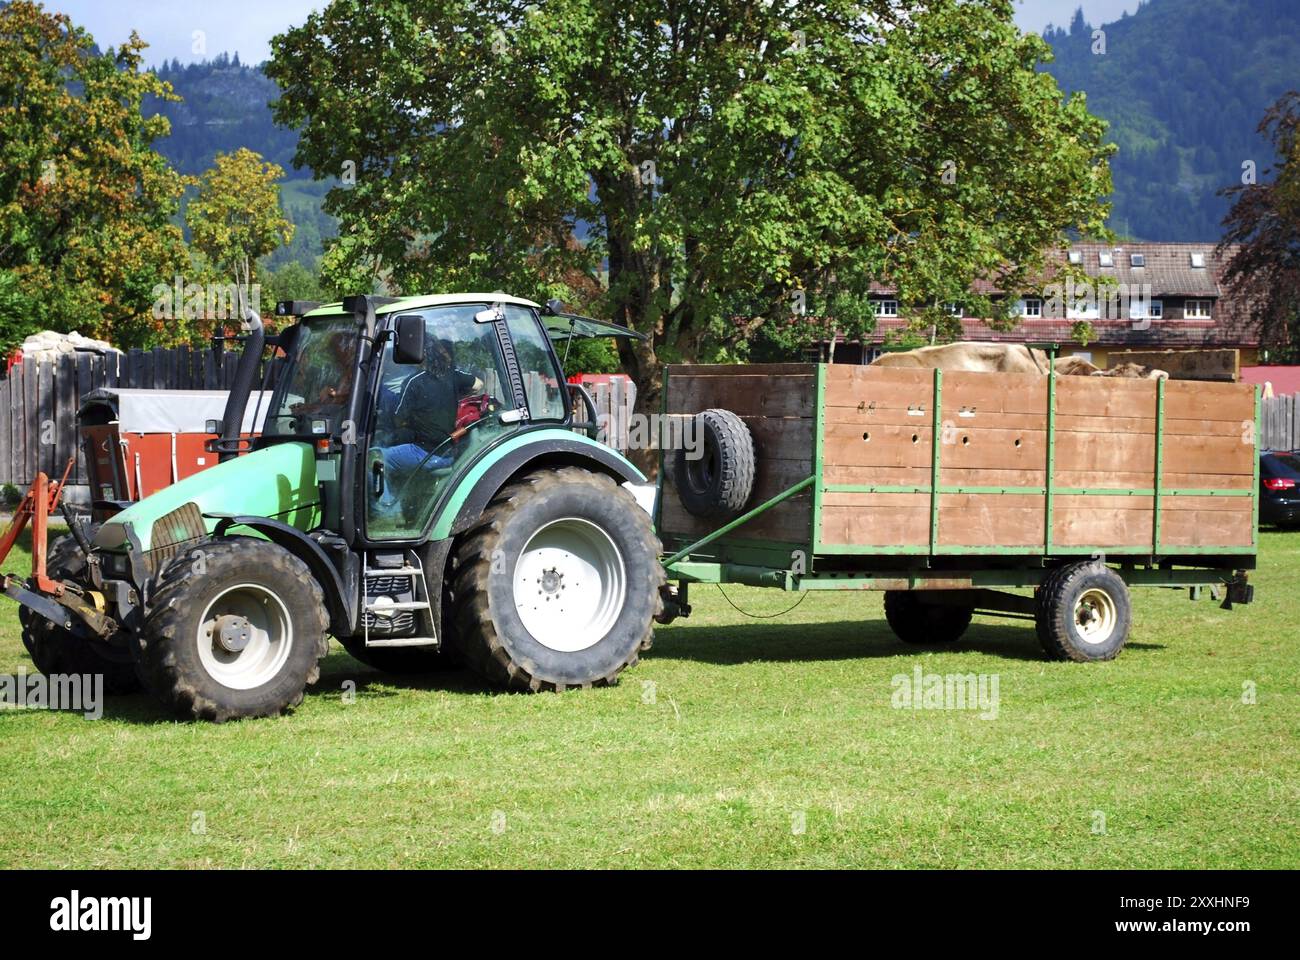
405,660
557,517
925,624
270,589
55,650
718,484
1084,613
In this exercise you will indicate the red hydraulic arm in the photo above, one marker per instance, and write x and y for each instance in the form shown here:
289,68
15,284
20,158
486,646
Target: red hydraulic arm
41,500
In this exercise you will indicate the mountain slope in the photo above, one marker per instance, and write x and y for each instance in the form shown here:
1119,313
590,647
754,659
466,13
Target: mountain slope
1184,84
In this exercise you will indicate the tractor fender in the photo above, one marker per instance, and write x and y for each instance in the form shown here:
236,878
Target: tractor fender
548,450
309,552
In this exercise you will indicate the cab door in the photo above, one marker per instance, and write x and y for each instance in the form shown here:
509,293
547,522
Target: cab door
432,418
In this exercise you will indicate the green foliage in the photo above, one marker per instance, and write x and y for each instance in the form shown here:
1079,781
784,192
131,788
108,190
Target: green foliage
236,216
597,355
292,281
86,202
708,158
1182,85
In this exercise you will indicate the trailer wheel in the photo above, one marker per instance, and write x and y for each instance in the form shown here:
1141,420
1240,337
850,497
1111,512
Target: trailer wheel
1084,613
558,583
925,624
55,650
719,483
236,629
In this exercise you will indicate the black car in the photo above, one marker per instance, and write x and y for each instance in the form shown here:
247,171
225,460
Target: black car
1279,488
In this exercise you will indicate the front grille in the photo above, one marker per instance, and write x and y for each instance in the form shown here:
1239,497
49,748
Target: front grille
172,533
387,586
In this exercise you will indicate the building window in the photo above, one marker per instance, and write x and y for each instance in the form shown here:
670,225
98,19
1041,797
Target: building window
885,308
1031,307
954,309
1076,257
1198,260
1137,260
1198,309
1139,309
1105,258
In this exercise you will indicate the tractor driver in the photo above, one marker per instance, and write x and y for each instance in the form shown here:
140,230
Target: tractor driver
420,414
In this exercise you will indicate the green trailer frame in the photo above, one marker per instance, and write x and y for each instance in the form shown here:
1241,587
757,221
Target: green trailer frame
929,566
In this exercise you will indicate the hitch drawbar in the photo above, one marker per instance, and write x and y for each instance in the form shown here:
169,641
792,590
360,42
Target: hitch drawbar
42,594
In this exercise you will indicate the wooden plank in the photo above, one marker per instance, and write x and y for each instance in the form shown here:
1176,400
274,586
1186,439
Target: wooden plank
994,393
886,387
65,413
1205,522
6,431
24,394
743,395
46,427
1079,521
984,520
1109,397
786,521
1118,453
1185,400
884,446
862,519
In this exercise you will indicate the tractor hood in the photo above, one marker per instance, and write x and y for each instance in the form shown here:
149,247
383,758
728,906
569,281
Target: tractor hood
277,481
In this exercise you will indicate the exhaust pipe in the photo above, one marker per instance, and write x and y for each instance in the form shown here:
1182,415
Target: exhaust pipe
232,421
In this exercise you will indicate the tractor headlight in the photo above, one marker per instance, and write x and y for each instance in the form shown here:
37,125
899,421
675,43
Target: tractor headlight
114,566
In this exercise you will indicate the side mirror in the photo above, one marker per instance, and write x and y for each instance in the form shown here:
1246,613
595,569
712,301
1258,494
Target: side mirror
554,307
409,346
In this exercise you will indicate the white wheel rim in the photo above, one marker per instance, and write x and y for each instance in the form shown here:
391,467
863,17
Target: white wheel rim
1095,616
569,584
267,640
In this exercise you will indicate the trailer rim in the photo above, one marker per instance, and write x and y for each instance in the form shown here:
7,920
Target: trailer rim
1095,616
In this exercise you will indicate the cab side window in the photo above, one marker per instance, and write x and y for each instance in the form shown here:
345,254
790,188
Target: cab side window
543,384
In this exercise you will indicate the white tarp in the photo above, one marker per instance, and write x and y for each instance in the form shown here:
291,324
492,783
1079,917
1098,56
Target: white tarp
181,411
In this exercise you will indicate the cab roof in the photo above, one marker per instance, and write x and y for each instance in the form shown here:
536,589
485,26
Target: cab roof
430,300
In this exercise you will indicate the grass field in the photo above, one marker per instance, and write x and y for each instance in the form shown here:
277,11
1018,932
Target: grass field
735,743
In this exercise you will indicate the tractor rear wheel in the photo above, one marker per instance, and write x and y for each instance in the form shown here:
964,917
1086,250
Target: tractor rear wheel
558,584
55,650
236,629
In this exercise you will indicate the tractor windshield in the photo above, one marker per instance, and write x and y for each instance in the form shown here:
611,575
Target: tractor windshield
317,381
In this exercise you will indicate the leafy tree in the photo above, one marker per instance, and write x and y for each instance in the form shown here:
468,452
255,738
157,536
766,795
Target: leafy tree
85,200
236,216
708,155
1264,271
293,281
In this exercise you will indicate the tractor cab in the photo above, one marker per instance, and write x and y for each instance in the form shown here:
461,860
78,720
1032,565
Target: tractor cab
416,396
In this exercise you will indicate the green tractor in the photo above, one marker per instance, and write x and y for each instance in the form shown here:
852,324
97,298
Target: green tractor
426,488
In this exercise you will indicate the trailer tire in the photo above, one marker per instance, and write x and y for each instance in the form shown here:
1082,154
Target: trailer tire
1084,613
925,624
55,650
718,484
553,531
267,597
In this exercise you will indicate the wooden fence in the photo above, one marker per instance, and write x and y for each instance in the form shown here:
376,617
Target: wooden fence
39,400
1279,423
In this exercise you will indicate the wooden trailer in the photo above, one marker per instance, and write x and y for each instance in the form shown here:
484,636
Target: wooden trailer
945,489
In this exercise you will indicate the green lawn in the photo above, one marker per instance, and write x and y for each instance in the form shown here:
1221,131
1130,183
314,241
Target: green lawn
736,742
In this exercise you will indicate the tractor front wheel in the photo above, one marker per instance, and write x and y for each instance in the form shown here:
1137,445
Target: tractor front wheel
56,650
236,629
558,584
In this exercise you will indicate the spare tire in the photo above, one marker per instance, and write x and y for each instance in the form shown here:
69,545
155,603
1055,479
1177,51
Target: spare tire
717,483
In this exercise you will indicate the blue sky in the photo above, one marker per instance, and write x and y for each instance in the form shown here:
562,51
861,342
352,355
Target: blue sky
246,26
